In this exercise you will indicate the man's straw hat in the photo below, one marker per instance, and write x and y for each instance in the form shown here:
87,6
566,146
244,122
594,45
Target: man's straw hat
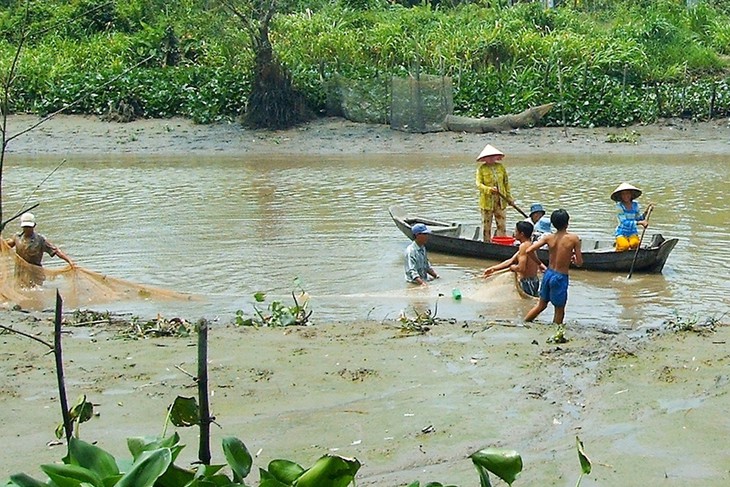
616,195
489,150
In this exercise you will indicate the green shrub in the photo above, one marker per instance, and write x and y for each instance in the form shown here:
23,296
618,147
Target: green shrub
603,63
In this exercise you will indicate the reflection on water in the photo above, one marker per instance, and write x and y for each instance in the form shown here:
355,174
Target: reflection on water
228,227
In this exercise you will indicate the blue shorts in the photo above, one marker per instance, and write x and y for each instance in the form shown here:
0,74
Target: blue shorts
530,285
554,288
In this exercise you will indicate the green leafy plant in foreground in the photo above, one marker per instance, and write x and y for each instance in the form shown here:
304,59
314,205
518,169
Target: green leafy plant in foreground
277,313
585,463
152,463
507,465
79,413
153,458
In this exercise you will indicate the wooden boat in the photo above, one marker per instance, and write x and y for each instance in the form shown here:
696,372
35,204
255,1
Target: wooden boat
457,239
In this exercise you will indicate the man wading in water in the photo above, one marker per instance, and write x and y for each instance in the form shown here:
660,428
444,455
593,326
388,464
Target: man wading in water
30,246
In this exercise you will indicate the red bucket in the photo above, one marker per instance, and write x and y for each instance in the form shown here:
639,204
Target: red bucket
503,240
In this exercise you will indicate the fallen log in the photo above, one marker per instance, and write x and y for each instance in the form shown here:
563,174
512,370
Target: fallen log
529,117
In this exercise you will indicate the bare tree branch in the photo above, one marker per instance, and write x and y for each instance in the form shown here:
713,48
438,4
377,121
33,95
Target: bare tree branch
27,336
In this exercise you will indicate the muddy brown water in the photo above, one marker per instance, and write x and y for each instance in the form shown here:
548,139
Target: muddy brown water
225,228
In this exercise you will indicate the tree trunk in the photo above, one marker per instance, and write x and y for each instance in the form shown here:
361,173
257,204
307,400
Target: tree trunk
529,117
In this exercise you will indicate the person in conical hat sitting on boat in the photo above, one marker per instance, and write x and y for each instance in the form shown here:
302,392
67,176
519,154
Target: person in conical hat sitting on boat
418,268
629,217
494,191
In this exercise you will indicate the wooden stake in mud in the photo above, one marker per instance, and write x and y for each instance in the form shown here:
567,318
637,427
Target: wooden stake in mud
205,419
58,353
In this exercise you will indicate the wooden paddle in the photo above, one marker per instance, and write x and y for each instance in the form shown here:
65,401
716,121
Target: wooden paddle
512,204
641,239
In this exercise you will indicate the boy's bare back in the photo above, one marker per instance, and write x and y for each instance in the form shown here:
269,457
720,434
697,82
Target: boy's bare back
527,266
564,248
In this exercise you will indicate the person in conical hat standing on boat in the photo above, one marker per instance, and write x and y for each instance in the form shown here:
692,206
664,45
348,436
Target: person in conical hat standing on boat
629,217
30,246
494,192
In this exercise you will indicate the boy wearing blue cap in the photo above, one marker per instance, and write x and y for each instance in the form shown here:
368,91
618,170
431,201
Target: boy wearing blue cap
540,221
418,268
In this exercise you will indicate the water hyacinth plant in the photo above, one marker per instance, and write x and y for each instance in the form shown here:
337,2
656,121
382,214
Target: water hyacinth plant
505,464
276,313
152,464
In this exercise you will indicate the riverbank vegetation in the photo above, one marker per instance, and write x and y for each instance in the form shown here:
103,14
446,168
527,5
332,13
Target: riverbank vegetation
602,62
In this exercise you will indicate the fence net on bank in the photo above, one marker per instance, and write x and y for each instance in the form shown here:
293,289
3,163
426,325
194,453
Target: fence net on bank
416,103
34,288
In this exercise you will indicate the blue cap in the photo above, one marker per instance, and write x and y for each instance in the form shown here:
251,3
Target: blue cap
536,207
419,228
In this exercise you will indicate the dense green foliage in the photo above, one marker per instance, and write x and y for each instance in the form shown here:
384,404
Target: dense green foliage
603,62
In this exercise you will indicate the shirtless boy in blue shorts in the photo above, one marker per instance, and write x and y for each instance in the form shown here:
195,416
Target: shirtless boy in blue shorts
564,249
523,264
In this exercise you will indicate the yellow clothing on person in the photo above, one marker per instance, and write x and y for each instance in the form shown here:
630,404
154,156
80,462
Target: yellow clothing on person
491,176
627,243
499,215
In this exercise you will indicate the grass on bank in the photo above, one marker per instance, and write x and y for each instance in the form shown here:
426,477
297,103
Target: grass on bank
604,63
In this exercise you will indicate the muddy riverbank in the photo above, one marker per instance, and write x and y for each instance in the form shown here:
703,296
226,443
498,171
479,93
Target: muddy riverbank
88,135
649,407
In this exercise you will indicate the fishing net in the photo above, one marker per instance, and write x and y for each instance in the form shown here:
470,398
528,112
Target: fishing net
33,287
416,103
500,288
420,103
365,101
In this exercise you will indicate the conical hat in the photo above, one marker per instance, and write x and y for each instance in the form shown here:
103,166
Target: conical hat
616,195
490,150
